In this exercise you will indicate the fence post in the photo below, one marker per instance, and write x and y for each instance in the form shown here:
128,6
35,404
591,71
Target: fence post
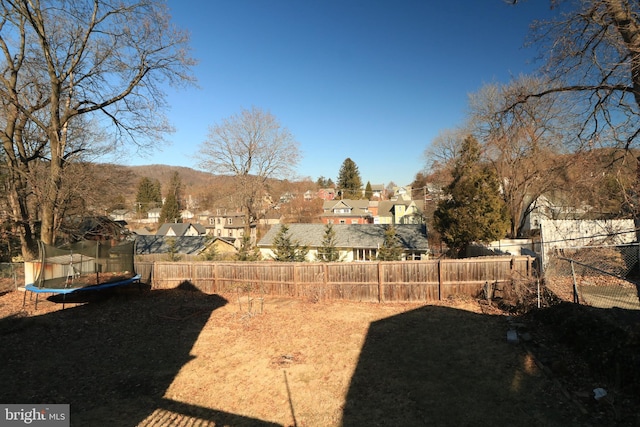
215,278
439,279
380,283
152,276
325,277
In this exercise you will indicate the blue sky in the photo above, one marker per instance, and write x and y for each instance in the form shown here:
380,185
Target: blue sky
371,80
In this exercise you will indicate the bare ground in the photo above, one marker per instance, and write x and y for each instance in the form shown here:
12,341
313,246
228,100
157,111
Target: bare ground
180,357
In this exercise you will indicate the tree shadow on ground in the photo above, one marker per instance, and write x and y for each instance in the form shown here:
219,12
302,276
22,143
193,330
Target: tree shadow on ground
113,359
447,367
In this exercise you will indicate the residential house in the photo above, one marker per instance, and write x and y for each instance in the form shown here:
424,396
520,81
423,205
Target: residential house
327,193
224,248
378,191
228,224
355,242
181,229
162,244
153,215
271,217
203,217
122,215
201,246
187,215
400,211
404,192
552,206
286,197
346,211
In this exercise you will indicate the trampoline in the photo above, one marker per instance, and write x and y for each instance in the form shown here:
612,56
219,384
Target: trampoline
80,267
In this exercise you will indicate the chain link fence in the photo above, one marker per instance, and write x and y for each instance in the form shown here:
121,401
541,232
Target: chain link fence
604,276
11,276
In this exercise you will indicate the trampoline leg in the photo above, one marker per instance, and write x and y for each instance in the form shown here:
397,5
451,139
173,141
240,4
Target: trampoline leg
36,307
24,298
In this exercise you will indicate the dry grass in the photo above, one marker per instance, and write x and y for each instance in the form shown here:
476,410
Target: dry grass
179,357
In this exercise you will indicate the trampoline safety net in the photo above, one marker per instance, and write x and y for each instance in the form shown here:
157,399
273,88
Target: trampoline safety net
82,264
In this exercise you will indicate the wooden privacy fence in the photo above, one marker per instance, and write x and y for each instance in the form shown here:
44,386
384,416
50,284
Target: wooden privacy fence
367,281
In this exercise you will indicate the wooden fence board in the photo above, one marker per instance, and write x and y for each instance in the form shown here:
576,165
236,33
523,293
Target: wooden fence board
357,281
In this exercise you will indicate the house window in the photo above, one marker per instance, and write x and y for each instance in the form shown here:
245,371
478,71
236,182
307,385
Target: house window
241,233
212,221
219,232
230,233
218,220
354,221
229,221
364,254
342,221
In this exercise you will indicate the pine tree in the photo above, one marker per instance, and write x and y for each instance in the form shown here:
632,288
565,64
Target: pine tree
368,192
391,249
246,252
171,208
349,182
474,210
172,250
328,252
211,252
156,193
149,195
286,250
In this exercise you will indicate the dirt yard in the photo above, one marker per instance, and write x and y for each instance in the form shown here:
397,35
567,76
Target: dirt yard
179,357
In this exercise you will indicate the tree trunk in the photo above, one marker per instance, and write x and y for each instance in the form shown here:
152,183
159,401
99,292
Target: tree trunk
20,216
49,202
627,25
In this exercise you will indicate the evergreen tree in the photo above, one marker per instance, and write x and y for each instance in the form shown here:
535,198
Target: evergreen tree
368,192
211,252
474,210
171,208
328,252
172,250
156,194
286,250
149,195
391,249
246,252
323,182
349,182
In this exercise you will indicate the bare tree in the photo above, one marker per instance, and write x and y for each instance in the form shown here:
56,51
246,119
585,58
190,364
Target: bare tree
444,148
105,59
253,147
524,143
592,53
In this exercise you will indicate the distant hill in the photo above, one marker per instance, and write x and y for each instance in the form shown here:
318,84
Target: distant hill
190,177
205,190
208,189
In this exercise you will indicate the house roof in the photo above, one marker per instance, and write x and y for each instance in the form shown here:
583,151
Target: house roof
358,208
412,236
146,245
180,229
